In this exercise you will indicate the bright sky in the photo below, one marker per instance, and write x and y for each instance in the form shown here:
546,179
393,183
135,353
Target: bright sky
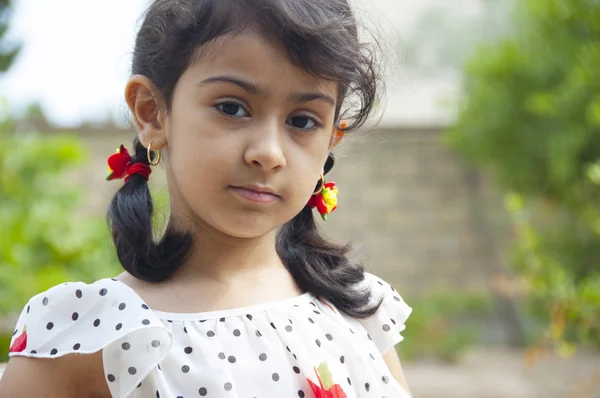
75,60
75,57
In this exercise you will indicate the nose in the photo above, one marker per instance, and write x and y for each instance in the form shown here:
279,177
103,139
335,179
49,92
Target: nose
265,148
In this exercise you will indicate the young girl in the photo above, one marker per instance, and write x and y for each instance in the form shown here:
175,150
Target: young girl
241,100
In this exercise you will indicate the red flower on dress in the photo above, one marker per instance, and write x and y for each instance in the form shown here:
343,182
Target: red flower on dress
20,342
326,388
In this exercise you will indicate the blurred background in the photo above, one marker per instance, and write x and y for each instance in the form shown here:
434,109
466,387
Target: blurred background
477,195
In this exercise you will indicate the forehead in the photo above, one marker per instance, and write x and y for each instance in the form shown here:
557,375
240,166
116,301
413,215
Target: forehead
260,61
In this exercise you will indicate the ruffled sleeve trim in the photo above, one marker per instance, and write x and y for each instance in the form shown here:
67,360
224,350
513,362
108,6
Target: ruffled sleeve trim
387,324
86,318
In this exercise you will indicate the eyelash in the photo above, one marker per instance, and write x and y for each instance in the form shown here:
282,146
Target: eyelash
229,102
239,103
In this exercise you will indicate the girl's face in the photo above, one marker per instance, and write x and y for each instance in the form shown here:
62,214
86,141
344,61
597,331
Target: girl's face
247,137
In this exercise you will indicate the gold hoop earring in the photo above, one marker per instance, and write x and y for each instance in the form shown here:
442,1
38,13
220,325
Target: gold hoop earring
149,154
321,184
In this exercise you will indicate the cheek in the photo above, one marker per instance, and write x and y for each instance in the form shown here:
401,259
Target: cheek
192,138
198,171
195,162
306,175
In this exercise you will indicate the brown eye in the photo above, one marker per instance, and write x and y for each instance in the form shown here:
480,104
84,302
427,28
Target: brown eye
232,109
303,122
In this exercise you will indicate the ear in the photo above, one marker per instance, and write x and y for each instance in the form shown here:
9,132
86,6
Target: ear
143,100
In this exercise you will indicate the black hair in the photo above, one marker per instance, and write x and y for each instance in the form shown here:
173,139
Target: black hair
319,36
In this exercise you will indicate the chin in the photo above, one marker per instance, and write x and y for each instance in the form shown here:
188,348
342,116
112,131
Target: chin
246,224
248,227
247,232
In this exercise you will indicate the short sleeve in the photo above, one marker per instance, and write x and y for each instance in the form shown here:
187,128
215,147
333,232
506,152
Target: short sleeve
387,324
86,318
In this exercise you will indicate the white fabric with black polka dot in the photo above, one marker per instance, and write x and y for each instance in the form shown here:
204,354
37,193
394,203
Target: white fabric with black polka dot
301,347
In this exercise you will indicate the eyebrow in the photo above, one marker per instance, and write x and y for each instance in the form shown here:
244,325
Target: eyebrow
262,91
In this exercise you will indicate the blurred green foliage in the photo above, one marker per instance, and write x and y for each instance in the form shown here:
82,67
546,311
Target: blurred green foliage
444,324
8,52
4,346
531,117
46,237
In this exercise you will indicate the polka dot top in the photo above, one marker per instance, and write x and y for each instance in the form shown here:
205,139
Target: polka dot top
300,347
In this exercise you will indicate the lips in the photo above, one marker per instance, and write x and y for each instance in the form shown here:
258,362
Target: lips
257,194
258,189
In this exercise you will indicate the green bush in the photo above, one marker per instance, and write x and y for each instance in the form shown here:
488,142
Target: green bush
531,117
4,345
46,237
444,324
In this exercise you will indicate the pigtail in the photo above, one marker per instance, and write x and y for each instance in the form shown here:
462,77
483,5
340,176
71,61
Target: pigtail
323,267
129,218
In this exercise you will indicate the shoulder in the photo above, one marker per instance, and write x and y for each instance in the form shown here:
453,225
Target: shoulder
387,324
103,317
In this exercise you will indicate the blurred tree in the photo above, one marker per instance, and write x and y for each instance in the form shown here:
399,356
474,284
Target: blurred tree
531,116
441,41
7,52
45,238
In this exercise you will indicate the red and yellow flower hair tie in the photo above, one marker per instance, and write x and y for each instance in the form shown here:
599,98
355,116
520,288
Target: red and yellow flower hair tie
120,166
325,198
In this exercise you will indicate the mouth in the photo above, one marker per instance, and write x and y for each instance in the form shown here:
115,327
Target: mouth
256,193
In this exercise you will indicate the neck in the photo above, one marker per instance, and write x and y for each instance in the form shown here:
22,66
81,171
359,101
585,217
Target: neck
223,258
218,262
